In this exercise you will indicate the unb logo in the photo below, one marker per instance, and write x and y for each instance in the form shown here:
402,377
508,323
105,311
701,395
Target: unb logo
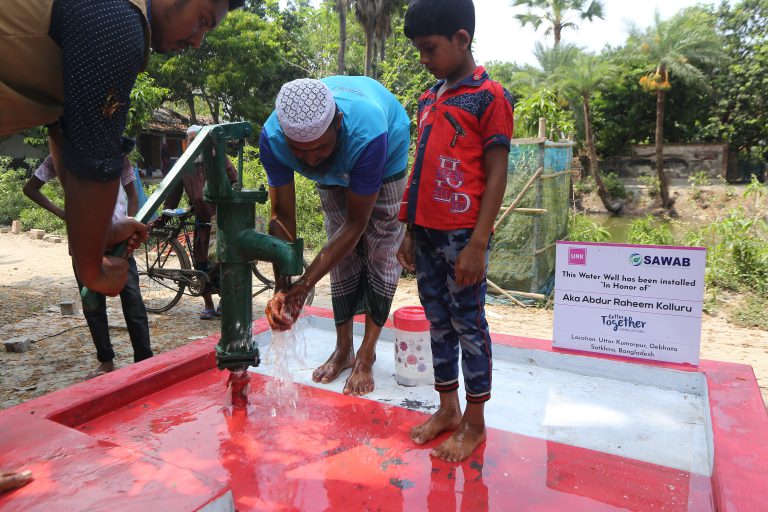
635,259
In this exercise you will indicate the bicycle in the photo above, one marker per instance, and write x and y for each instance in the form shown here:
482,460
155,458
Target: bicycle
165,268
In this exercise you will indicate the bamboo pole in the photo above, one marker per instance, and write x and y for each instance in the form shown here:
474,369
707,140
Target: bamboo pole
531,211
545,249
504,292
555,175
519,196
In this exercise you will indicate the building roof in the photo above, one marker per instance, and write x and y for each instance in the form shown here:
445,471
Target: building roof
167,121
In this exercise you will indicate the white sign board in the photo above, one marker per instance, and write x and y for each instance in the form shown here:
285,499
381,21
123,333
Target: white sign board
638,301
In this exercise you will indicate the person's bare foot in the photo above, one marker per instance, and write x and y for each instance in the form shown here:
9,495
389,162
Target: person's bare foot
444,419
101,370
461,444
360,382
332,368
12,480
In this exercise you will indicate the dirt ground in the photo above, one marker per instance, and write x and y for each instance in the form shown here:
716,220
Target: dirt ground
35,276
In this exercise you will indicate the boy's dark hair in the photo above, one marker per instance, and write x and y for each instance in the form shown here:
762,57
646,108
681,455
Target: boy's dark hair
439,18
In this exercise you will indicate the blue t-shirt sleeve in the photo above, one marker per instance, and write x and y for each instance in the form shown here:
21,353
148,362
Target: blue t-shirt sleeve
366,175
278,174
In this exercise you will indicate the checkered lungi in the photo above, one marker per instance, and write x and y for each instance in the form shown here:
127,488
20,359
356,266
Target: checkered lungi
365,281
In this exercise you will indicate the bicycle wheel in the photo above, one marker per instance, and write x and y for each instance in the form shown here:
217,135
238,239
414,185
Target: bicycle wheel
264,279
159,260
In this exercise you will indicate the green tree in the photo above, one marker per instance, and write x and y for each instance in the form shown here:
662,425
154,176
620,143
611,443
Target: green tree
145,98
547,104
586,74
557,14
240,67
742,118
682,46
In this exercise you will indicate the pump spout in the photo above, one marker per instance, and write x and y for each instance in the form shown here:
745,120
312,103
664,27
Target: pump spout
289,256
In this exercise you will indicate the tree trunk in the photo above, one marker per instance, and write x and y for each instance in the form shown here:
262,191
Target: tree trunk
382,50
342,39
191,104
369,49
213,108
557,29
614,207
663,181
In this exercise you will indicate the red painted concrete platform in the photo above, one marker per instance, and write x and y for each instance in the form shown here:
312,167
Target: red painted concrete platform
156,436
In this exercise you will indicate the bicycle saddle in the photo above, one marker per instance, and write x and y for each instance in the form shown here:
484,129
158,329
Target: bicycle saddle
178,212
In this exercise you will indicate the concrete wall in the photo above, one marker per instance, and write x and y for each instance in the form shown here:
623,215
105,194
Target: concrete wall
680,161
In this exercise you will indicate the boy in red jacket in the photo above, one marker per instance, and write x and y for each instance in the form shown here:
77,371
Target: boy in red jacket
454,193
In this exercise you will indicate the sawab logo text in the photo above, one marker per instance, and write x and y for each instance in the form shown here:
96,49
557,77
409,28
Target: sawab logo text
636,260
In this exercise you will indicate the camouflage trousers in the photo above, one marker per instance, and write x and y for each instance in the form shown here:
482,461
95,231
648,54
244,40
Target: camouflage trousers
456,314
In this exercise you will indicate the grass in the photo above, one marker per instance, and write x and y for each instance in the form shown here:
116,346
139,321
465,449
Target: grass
750,313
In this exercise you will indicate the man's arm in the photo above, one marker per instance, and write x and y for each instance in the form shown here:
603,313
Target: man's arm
32,190
339,246
470,264
100,62
133,198
282,223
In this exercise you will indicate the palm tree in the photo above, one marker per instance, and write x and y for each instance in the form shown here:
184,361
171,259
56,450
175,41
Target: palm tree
383,27
367,13
680,46
554,59
555,14
342,7
586,74
375,16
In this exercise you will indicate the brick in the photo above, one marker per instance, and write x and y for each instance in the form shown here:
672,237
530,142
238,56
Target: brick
5,229
18,344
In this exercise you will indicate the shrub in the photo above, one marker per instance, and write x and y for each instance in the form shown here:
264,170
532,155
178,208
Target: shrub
582,229
652,182
737,252
584,186
697,181
12,199
650,231
750,313
614,185
40,218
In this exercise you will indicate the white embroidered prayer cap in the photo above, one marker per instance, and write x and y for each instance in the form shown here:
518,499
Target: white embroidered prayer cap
305,109
193,129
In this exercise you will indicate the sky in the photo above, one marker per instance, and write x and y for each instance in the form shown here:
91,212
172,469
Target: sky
498,35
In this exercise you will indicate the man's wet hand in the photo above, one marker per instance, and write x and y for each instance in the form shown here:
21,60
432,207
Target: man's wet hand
285,307
279,315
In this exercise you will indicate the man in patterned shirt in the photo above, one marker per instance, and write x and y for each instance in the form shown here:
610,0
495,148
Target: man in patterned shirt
71,65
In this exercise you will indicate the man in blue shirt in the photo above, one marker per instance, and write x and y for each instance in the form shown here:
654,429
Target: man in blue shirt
350,136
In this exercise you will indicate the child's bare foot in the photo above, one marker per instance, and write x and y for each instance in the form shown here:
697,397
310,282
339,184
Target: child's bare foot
444,419
103,368
332,368
461,444
360,382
